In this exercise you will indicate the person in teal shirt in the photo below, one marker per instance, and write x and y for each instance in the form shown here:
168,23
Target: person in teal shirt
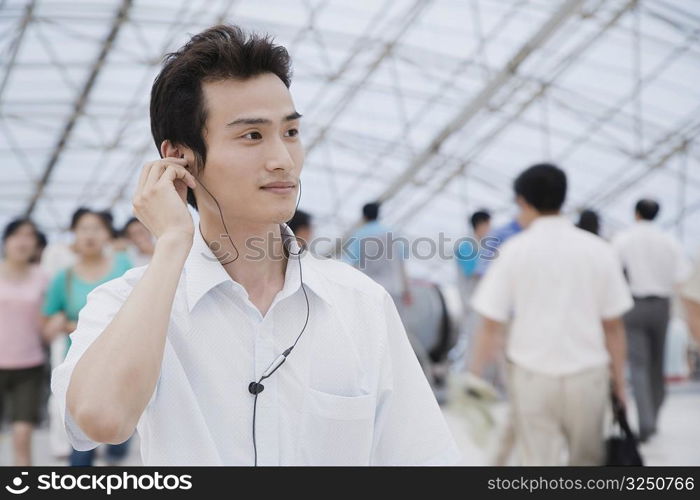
68,291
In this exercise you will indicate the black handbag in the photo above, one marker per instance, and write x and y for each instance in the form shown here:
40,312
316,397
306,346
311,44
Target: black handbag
621,448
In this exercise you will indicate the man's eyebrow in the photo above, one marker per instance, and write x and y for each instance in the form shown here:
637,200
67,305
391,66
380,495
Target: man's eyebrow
248,121
262,121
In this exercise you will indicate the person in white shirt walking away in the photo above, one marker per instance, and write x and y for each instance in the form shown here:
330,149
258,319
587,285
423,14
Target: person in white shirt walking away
655,266
564,291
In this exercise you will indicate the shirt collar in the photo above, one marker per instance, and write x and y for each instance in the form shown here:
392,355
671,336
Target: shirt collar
204,272
550,220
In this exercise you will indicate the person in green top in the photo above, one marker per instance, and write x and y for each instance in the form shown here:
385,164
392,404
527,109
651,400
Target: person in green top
68,291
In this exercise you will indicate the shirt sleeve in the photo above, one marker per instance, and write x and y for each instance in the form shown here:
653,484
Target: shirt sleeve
409,426
493,297
55,299
103,303
615,296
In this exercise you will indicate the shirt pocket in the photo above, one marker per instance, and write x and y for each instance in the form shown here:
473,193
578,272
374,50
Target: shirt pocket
336,430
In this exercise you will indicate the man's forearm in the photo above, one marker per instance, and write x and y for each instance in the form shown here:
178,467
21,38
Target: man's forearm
115,378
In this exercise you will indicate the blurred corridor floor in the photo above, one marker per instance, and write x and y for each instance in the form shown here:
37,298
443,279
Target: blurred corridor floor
677,443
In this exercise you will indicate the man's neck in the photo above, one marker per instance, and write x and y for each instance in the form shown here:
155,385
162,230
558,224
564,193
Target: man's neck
257,261
535,216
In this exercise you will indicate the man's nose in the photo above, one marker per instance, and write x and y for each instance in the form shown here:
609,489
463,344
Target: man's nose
279,157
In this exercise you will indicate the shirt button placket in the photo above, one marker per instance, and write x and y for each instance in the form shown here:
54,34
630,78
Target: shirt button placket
266,432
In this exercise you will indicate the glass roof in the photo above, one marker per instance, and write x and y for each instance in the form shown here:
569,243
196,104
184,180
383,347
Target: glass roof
431,106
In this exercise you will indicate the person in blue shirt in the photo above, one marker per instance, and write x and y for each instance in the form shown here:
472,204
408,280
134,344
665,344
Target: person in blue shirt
496,238
381,254
467,256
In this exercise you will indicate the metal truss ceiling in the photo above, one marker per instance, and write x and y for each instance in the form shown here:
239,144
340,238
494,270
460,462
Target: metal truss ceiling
432,106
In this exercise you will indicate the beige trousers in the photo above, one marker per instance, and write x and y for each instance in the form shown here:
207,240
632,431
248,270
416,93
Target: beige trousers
556,414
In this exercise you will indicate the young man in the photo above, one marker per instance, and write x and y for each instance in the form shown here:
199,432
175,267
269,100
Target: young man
565,293
178,350
655,266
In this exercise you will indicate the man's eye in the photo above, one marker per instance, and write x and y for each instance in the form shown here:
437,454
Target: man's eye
253,135
292,132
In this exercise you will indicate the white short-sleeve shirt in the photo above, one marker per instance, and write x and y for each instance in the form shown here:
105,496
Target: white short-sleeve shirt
653,260
351,392
556,282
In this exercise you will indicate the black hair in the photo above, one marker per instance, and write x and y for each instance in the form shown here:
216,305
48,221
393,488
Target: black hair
647,209
479,217
589,221
371,210
543,186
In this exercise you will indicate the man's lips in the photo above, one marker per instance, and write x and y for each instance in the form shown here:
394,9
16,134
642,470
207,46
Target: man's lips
279,187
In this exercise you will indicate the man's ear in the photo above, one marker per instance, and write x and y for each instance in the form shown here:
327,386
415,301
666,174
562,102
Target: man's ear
169,150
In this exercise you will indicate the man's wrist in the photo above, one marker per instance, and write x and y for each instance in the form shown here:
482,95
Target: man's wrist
174,243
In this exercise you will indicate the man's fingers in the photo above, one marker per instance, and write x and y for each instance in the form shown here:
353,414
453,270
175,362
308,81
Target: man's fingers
152,171
173,172
154,174
144,175
177,161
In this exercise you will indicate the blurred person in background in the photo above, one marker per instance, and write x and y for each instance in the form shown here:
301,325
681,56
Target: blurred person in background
565,293
467,257
68,291
589,221
300,224
497,237
375,250
22,288
58,255
655,266
142,244
690,294
41,243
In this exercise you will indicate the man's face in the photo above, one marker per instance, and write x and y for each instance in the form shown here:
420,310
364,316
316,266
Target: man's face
252,137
